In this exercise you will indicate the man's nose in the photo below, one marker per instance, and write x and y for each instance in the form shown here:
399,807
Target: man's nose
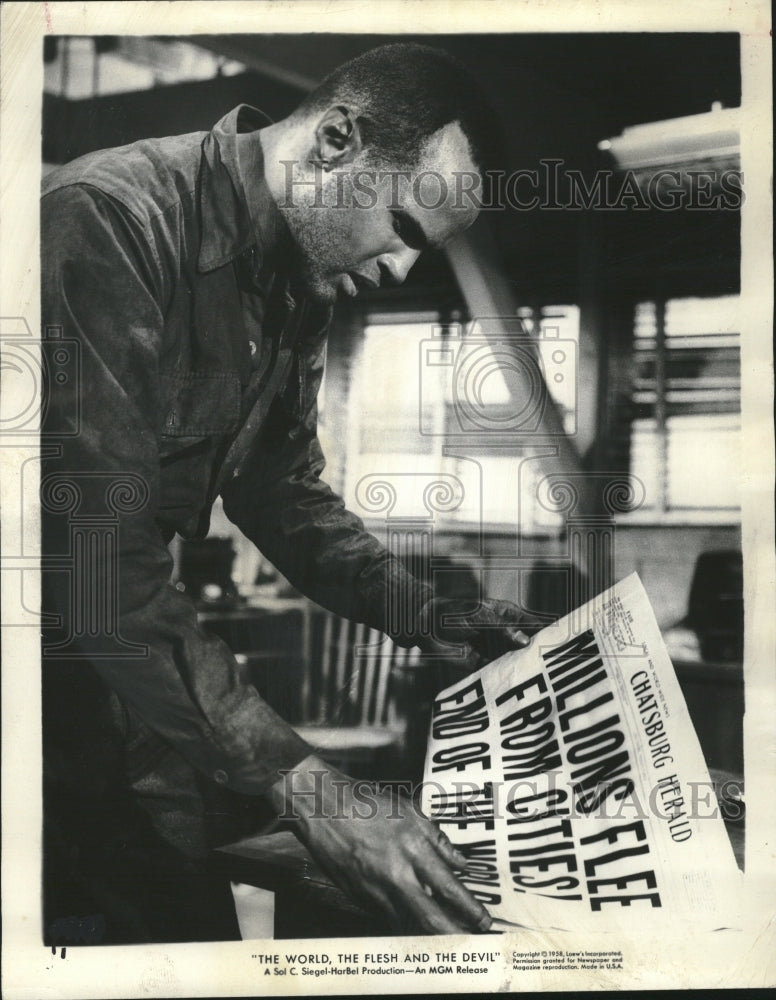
394,267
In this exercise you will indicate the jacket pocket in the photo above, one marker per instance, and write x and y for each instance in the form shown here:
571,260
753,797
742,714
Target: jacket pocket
200,404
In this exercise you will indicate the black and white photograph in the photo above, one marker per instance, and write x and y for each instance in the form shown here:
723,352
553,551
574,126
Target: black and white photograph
387,451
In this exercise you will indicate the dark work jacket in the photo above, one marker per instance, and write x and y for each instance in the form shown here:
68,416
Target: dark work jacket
187,368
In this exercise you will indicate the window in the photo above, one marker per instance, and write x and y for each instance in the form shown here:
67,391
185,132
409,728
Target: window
408,419
687,403
81,67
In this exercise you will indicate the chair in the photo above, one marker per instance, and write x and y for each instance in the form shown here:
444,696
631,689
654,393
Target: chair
707,648
350,695
715,608
337,682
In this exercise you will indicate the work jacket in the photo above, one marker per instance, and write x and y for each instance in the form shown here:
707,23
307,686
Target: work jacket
183,365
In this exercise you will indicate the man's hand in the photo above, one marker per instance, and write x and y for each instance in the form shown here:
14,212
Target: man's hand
494,628
380,850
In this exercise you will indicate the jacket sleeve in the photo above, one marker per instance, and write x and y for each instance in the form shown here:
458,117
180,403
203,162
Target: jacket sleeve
280,502
101,294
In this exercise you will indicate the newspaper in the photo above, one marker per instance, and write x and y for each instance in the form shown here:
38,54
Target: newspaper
570,777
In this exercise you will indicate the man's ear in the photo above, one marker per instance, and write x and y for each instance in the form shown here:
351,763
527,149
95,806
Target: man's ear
337,138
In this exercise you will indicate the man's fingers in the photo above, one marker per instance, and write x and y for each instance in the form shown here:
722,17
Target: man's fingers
492,642
518,637
397,921
440,842
423,911
440,880
446,886
373,896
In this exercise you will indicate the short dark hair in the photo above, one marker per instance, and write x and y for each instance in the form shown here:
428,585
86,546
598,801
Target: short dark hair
405,92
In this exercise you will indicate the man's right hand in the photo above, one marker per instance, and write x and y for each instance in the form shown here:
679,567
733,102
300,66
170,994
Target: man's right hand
380,850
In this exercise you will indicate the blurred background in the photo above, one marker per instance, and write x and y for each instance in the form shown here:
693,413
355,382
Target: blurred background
635,311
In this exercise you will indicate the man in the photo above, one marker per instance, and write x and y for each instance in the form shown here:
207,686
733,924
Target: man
196,274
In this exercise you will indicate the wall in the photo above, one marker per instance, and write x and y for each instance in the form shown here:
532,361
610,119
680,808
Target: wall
664,556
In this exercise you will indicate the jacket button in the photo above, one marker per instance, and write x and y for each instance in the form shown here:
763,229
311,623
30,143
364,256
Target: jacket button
220,777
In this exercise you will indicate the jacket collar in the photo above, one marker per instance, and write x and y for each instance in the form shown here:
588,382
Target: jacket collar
236,208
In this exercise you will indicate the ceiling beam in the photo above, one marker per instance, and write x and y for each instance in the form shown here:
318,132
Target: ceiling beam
488,294
259,58
299,61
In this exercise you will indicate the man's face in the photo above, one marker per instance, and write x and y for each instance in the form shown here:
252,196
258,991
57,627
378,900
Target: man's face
364,225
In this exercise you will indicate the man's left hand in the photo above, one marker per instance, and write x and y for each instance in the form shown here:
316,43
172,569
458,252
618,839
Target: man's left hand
473,637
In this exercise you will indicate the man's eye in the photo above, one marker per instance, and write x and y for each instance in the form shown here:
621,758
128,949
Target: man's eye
408,233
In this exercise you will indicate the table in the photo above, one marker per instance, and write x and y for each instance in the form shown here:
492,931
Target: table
307,903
